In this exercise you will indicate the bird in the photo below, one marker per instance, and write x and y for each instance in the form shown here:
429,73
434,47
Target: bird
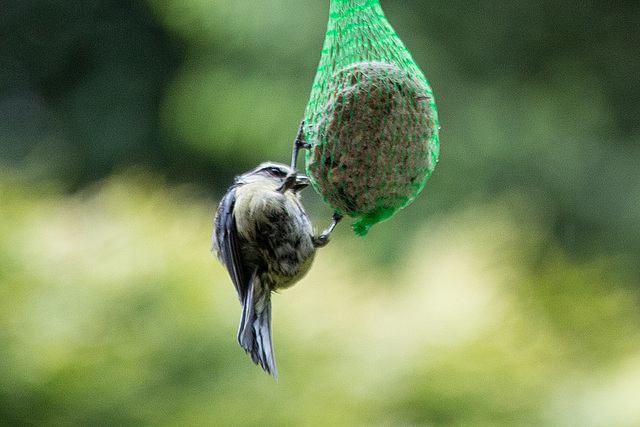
265,239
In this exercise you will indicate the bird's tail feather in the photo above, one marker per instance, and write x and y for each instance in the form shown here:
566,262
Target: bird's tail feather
254,334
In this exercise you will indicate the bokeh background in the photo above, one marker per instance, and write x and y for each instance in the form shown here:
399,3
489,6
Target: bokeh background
506,294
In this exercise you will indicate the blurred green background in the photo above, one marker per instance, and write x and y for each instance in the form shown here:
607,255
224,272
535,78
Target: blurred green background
506,294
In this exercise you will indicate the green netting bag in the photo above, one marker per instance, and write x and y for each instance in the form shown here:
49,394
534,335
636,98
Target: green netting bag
371,119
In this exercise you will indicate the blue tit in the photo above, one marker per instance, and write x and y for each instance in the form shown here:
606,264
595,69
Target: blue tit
265,239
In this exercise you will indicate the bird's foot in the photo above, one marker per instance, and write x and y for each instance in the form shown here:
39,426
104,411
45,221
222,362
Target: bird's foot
323,239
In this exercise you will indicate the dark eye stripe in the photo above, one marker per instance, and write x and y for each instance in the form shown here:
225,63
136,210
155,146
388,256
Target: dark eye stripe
277,172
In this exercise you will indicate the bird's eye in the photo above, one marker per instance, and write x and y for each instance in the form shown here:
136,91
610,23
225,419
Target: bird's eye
277,172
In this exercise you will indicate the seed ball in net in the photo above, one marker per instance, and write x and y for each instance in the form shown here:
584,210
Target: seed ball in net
372,153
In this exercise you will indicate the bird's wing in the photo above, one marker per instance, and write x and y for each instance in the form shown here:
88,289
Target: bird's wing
228,247
254,334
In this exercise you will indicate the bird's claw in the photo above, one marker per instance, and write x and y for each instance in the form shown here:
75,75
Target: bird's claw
298,144
323,239
294,182
288,183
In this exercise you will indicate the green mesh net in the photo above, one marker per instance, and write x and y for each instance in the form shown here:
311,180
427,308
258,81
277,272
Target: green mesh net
371,120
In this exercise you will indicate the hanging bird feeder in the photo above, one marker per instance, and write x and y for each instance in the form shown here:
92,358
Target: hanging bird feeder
371,120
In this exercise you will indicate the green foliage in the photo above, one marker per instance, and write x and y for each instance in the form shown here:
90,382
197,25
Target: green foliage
506,294
240,94
112,311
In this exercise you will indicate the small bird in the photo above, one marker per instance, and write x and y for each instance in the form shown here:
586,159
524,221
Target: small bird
265,240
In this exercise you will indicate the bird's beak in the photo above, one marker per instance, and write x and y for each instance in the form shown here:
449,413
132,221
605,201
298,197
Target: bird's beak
302,181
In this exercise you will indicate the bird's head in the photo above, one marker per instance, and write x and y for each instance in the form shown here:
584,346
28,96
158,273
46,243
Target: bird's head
272,172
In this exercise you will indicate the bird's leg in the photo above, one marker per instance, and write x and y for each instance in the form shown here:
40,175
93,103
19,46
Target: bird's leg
323,239
298,144
291,180
336,219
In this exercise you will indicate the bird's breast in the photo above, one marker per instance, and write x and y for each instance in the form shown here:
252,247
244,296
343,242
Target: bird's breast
277,232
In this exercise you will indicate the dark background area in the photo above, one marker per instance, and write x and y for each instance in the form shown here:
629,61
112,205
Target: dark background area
87,88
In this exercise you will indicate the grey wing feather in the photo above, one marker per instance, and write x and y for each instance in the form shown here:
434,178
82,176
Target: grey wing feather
254,334
227,244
